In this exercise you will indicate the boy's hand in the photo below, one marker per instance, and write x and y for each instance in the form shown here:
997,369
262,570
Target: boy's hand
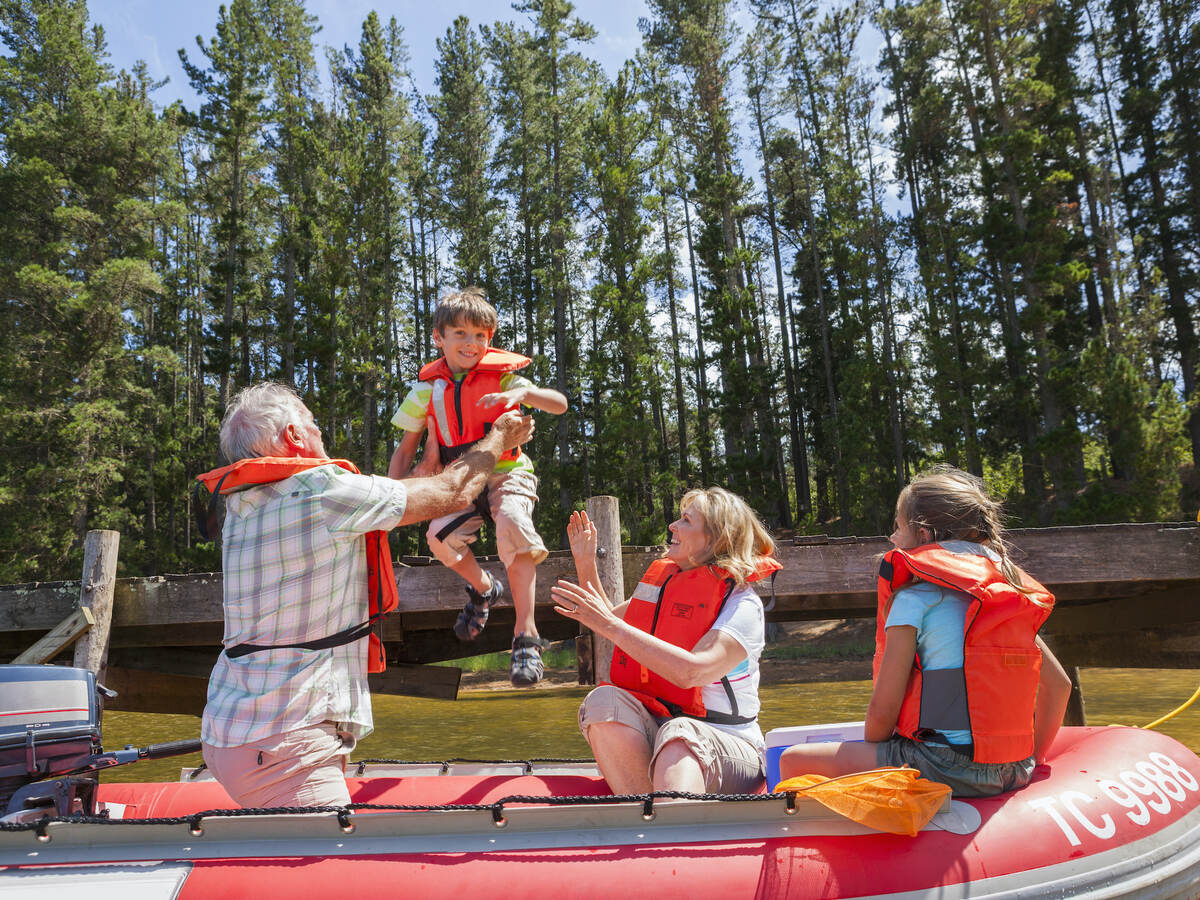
431,459
508,399
581,535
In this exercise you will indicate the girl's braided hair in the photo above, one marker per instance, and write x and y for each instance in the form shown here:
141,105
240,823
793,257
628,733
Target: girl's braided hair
956,506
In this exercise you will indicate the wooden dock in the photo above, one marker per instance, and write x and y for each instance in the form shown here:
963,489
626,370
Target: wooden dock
1128,595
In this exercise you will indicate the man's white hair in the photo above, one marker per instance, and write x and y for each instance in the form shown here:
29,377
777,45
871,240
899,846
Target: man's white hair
256,418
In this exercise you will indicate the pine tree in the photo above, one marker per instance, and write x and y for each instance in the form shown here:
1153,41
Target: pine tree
231,120
77,175
462,150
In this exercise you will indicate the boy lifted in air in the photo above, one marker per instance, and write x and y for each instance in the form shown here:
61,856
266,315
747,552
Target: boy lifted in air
460,394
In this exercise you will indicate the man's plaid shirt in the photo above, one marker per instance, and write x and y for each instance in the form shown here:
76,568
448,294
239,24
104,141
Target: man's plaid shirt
294,560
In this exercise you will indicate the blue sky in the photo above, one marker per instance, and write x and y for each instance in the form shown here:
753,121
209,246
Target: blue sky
155,30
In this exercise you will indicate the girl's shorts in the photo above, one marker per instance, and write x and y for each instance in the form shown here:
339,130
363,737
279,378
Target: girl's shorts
966,777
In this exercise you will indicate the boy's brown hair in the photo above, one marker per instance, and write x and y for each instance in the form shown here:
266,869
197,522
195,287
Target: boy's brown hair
469,305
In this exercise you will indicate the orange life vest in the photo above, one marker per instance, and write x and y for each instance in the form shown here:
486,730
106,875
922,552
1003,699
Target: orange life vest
679,606
994,694
454,406
382,596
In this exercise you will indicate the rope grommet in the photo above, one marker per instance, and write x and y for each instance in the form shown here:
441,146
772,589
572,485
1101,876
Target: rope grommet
195,827
43,835
498,817
344,822
648,812
790,805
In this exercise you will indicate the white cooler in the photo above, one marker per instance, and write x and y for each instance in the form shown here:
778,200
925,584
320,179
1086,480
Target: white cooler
779,739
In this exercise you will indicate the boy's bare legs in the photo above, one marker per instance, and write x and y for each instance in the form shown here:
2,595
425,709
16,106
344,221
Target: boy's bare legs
525,665
469,570
483,590
522,582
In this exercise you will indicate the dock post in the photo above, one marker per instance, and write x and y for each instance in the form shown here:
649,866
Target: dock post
594,652
96,594
1075,714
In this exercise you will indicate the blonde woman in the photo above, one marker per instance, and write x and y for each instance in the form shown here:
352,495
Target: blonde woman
965,691
681,712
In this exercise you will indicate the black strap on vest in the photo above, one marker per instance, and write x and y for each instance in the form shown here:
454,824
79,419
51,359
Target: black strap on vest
770,606
449,454
712,717
345,636
206,522
481,508
886,570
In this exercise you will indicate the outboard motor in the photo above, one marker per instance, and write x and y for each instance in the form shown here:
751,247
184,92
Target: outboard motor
50,747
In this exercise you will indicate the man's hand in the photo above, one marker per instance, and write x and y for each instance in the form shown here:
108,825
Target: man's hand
460,482
515,429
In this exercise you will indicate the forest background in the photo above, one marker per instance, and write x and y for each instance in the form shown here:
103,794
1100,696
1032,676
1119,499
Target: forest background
751,257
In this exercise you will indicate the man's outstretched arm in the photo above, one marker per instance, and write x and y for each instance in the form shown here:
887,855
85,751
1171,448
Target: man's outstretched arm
457,486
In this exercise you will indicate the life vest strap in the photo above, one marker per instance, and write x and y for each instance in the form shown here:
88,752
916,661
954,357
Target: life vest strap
710,716
345,636
206,522
449,453
481,507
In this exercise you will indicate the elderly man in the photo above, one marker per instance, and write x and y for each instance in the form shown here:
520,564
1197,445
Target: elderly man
288,698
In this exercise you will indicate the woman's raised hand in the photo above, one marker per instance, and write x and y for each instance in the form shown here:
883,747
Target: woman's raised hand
585,604
581,535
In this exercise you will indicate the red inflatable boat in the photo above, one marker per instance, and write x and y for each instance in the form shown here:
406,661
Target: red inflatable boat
1115,813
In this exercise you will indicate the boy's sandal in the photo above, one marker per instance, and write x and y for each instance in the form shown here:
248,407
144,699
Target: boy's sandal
474,614
526,667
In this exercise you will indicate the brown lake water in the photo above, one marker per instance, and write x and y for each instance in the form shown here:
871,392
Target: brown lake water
520,725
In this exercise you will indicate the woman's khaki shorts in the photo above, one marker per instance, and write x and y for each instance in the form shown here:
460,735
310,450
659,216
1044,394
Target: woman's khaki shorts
304,767
511,497
730,765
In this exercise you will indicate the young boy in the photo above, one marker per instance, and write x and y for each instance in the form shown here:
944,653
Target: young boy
460,394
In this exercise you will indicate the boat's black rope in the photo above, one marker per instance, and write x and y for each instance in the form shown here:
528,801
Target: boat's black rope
194,821
445,764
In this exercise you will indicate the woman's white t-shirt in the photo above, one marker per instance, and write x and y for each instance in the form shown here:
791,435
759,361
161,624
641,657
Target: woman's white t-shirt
742,619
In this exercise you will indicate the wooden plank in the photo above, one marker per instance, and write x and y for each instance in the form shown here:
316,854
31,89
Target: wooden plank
437,682
1173,648
1150,582
140,690
196,662
37,606
1152,609
96,593
62,634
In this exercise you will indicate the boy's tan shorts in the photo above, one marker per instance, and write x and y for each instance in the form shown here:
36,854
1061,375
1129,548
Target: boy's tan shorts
304,767
511,496
730,765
